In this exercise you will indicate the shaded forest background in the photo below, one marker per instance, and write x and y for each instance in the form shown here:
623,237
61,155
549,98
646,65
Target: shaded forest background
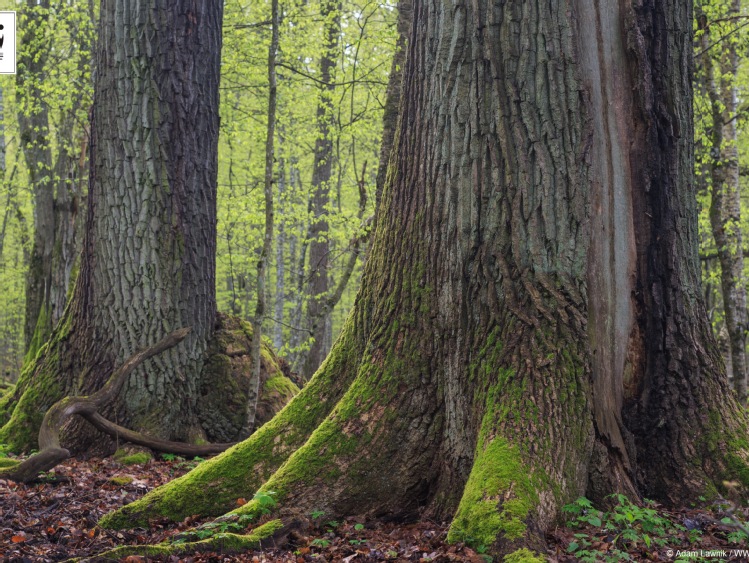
321,222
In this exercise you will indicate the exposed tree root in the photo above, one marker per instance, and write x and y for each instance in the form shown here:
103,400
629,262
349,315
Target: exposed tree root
52,453
266,535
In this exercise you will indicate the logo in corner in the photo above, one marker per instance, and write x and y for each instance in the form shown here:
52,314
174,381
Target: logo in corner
7,42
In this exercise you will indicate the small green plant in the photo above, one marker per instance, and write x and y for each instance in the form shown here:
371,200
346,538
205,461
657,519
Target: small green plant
168,457
357,542
319,542
265,501
315,514
358,527
629,525
211,529
4,449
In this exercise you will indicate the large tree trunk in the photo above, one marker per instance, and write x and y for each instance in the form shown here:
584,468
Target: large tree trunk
530,326
148,263
393,95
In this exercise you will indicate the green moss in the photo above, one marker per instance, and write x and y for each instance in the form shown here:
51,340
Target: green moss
524,555
121,480
38,388
497,498
40,336
8,462
138,458
730,447
282,385
223,543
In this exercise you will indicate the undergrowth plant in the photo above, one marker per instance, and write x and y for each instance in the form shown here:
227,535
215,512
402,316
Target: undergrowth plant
630,526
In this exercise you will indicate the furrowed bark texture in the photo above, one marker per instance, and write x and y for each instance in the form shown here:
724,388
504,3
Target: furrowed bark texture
148,264
393,96
529,327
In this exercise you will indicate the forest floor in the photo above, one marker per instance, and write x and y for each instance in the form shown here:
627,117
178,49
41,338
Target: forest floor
55,519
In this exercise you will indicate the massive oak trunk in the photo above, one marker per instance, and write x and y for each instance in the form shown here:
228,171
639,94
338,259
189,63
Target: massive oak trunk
530,326
148,263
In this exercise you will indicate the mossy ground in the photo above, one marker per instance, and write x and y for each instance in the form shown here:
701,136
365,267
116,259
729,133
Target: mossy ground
137,458
524,555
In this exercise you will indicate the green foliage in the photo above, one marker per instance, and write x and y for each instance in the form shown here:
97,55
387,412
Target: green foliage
628,524
363,58
56,38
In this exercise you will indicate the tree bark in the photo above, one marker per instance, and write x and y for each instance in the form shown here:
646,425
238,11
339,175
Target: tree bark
530,326
393,95
148,263
319,245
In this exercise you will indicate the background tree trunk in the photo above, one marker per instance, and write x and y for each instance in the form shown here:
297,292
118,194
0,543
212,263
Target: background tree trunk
34,131
148,264
54,174
530,326
319,245
265,252
725,205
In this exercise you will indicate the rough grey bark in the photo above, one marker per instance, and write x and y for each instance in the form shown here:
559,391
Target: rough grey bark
725,205
152,225
393,96
265,253
318,283
530,326
148,262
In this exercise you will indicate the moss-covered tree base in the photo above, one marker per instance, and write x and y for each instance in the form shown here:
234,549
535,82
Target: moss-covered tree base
54,374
